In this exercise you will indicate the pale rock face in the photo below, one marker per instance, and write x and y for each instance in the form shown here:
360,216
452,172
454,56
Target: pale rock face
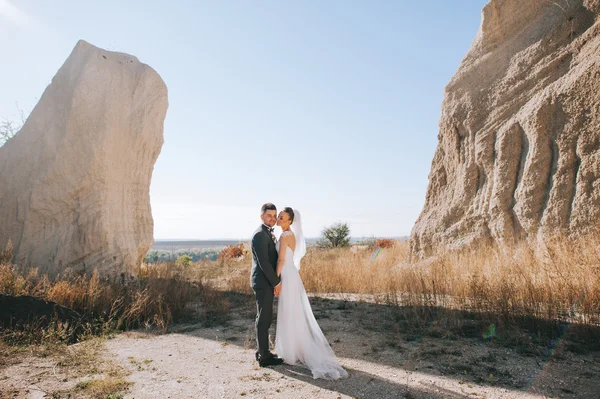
74,182
518,151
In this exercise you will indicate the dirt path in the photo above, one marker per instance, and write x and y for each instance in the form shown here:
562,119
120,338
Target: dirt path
199,362
191,366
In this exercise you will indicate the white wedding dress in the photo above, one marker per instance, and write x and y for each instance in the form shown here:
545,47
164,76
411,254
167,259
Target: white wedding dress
299,338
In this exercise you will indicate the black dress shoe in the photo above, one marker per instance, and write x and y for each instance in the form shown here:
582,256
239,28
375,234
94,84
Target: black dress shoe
269,361
267,355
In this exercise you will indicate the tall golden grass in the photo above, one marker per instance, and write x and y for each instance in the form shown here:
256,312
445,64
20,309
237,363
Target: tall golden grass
159,296
555,281
358,269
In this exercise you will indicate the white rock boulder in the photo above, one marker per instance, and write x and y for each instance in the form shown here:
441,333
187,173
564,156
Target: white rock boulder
75,180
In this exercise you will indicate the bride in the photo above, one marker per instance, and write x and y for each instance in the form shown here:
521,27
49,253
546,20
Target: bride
298,337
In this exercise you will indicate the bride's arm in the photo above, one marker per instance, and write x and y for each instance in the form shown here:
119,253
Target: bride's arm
284,242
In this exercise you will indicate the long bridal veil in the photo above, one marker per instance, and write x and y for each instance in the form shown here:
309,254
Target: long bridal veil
300,241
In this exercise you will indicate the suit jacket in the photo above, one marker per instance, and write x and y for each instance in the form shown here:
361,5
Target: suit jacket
264,260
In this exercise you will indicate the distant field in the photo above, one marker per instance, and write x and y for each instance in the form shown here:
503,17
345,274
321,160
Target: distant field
175,245
168,245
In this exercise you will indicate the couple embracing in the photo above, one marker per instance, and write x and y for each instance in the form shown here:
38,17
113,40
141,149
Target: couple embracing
275,272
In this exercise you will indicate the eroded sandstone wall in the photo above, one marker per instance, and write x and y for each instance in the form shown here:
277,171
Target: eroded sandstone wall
518,151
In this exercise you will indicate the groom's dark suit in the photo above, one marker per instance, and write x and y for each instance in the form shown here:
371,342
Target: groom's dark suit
263,280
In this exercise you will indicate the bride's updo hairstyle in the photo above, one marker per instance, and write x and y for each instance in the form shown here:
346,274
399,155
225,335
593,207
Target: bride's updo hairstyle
290,213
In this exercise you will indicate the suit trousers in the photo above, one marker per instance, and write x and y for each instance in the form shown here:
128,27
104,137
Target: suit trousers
264,318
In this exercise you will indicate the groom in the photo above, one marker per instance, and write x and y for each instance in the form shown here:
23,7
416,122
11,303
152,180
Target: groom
265,283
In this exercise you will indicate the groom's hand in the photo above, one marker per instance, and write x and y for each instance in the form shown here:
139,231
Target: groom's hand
277,289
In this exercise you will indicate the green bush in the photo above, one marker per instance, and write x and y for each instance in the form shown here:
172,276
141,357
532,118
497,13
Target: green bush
184,260
334,236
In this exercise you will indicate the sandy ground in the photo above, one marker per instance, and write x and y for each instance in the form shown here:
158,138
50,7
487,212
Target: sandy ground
193,365
195,361
198,362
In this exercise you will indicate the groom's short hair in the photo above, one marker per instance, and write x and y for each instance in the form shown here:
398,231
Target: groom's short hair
268,207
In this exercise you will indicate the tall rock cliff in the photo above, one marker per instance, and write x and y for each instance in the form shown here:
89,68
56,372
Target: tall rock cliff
518,151
74,182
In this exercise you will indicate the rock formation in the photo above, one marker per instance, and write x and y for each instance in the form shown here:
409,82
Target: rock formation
518,151
74,182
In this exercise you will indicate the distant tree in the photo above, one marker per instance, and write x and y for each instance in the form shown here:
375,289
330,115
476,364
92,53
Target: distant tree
151,257
184,260
9,128
334,236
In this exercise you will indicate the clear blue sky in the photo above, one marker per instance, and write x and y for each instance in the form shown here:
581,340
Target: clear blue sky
328,106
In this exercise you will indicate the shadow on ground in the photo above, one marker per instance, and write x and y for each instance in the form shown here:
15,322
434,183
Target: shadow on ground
526,354
366,385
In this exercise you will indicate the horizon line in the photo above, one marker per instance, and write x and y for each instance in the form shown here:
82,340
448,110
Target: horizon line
247,239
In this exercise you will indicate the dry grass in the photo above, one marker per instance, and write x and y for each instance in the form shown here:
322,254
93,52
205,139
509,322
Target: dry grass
359,269
87,359
104,387
559,281
161,295
82,370
232,252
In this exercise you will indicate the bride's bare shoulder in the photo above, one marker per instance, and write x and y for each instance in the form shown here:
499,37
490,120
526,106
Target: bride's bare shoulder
287,238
